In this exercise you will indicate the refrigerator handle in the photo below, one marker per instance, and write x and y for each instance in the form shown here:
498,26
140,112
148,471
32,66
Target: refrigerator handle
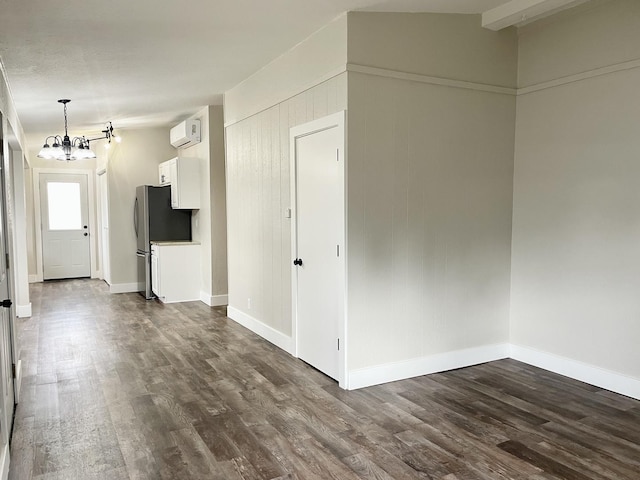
135,216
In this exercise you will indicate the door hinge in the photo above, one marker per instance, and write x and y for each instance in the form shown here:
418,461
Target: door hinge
338,344
7,259
338,250
337,155
13,370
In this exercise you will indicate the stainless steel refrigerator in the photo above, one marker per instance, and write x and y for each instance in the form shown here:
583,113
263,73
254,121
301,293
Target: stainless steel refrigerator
155,220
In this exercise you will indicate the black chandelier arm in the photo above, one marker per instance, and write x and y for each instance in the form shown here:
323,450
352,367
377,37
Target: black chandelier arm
56,139
77,141
99,138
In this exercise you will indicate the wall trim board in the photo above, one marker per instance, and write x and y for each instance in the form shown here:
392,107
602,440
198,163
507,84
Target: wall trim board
23,311
584,372
261,329
380,72
4,463
123,288
17,383
578,77
414,77
271,102
214,300
440,362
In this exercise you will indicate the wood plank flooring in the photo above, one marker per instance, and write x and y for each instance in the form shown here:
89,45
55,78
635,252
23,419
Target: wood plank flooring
116,387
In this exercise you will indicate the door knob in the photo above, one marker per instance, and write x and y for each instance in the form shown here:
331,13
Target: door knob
297,261
86,234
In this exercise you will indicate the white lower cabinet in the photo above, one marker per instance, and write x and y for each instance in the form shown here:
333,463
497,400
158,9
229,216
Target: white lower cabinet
175,271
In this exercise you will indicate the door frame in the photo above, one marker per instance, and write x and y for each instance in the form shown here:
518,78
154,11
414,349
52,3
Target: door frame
336,120
91,204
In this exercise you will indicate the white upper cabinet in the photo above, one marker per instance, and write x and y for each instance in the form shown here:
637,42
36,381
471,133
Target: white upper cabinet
164,173
183,174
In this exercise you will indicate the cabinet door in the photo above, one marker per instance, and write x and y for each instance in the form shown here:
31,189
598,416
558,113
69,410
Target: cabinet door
164,175
155,277
175,184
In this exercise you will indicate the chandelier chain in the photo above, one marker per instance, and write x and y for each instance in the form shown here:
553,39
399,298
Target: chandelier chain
65,120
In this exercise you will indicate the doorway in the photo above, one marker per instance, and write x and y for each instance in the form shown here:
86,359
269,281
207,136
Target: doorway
65,226
65,217
318,244
7,404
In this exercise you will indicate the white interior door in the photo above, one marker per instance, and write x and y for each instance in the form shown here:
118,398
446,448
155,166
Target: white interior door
319,244
65,226
6,353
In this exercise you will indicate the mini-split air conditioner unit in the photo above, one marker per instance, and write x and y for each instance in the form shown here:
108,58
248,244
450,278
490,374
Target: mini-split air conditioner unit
185,134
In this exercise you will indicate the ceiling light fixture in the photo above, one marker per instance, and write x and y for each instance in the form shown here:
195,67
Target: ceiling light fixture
78,148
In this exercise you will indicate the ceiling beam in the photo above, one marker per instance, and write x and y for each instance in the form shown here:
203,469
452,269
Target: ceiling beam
518,12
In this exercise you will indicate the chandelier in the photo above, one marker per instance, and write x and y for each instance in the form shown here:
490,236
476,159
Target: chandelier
78,148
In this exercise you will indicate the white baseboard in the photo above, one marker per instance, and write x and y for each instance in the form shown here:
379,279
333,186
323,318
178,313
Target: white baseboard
123,287
577,370
17,381
214,300
390,372
279,339
34,279
23,311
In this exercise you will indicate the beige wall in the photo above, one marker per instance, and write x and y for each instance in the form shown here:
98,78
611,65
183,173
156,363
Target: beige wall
595,35
448,46
218,205
131,163
576,226
429,219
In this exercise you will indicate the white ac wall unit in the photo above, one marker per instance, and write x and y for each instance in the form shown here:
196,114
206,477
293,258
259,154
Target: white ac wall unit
185,134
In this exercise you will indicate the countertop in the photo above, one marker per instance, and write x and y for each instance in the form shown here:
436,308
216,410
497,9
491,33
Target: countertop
174,243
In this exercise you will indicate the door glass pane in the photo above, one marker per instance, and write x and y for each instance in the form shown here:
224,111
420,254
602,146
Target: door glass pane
64,206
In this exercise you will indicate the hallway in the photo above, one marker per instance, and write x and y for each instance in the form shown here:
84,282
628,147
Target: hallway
116,387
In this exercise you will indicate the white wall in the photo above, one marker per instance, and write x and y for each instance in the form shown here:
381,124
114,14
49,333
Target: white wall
8,109
131,163
318,58
429,189
303,84
430,171
258,192
576,227
209,222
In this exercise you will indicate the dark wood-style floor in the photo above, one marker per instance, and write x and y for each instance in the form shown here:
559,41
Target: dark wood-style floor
116,387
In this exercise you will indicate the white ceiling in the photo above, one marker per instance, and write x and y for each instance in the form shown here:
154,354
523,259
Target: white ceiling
154,62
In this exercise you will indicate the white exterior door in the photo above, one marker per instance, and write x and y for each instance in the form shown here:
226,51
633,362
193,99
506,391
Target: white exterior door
319,243
65,226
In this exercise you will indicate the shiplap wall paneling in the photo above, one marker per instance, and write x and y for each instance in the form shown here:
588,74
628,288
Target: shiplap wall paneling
259,194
